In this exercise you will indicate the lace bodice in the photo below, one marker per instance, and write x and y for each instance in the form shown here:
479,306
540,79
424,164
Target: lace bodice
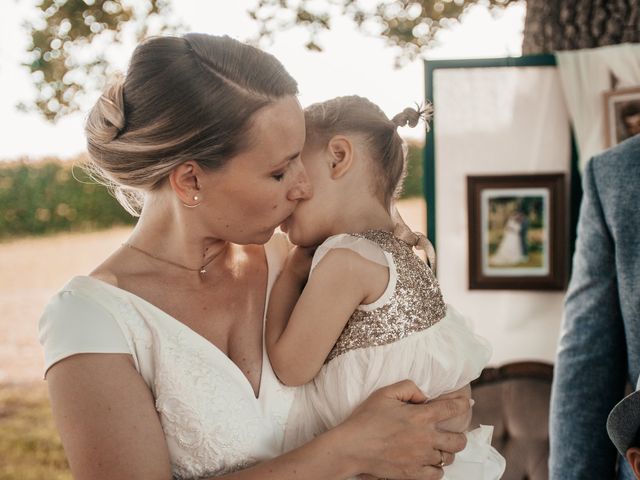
212,420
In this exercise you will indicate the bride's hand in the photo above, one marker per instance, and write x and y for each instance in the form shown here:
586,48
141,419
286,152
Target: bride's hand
462,422
394,434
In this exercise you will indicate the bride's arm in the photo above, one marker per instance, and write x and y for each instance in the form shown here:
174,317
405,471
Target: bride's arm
107,419
110,430
393,434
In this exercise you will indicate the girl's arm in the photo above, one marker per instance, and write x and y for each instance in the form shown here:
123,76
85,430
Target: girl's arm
286,292
110,430
302,328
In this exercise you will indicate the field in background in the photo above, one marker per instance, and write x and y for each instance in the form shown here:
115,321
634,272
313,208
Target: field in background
33,269
30,448
50,195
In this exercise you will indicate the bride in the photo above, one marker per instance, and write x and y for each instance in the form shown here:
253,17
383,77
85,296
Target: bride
510,251
155,361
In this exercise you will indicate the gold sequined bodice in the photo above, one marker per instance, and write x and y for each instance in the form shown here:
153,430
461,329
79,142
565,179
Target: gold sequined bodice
415,304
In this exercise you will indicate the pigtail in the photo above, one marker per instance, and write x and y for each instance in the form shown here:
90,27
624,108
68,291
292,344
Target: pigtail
412,116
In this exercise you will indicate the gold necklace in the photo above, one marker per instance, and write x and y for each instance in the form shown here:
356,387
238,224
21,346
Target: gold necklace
202,270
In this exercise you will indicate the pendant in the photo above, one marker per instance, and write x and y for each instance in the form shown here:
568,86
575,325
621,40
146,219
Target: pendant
203,271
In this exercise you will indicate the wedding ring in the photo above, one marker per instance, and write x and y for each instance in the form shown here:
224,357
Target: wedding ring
441,464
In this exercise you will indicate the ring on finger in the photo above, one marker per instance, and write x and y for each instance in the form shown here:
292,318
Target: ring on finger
442,462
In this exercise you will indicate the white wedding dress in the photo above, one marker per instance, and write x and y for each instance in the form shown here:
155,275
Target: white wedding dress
212,420
509,250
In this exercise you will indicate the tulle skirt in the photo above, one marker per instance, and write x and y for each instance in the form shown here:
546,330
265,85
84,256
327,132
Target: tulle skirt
441,359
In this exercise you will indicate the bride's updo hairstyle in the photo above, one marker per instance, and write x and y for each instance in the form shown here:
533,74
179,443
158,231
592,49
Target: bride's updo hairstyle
183,98
354,114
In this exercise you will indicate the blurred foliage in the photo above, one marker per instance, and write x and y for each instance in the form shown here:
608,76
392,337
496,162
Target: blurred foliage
411,25
69,44
414,182
71,39
44,197
30,447
48,196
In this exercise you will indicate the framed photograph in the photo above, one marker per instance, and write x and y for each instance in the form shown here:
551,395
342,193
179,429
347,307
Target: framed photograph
517,232
622,114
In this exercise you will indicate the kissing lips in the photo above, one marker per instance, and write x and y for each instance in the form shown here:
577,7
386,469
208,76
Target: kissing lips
284,226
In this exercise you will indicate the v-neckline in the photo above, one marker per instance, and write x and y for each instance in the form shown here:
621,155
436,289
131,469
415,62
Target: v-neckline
263,361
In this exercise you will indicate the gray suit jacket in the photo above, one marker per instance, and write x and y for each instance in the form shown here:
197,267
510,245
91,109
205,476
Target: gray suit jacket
599,347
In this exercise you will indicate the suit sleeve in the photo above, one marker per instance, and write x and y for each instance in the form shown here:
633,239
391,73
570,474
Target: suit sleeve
591,368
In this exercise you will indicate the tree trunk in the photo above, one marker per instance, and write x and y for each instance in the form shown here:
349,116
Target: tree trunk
553,25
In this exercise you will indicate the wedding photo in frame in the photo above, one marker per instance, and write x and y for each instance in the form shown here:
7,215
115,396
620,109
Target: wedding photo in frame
622,114
517,232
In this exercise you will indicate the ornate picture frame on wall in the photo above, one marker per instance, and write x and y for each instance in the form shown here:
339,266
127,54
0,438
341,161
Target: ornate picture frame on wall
517,232
622,114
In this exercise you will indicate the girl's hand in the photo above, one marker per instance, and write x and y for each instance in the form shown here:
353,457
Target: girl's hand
394,434
416,239
401,229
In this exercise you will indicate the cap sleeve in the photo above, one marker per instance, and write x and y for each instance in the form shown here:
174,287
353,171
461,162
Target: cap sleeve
367,249
363,247
73,324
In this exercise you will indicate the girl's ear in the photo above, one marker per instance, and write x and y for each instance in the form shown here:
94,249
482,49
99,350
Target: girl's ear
185,183
341,155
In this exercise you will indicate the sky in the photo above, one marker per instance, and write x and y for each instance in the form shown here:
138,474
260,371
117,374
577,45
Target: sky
351,63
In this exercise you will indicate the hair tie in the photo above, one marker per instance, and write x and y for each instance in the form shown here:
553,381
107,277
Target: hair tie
412,116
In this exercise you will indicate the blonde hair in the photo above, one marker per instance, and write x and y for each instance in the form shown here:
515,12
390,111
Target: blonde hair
354,114
183,98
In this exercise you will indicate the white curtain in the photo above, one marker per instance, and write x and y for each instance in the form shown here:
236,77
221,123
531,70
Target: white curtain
585,76
493,121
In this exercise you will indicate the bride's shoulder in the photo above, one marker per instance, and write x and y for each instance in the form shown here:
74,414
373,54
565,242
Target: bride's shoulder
105,275
115,270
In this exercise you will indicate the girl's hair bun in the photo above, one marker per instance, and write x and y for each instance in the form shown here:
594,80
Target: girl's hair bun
411,116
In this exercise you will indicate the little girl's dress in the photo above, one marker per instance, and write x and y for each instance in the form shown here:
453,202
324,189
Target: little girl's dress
408,333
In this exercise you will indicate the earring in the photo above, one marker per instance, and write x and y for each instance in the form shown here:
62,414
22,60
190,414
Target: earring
195,198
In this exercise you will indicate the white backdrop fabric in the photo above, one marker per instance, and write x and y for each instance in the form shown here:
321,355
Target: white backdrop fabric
494,121
585,76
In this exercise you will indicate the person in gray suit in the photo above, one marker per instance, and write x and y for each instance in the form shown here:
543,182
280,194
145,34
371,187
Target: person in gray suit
599,346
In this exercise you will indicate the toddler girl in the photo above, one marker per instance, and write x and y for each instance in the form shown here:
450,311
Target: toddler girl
371,312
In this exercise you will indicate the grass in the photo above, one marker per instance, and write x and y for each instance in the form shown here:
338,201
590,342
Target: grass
30,447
